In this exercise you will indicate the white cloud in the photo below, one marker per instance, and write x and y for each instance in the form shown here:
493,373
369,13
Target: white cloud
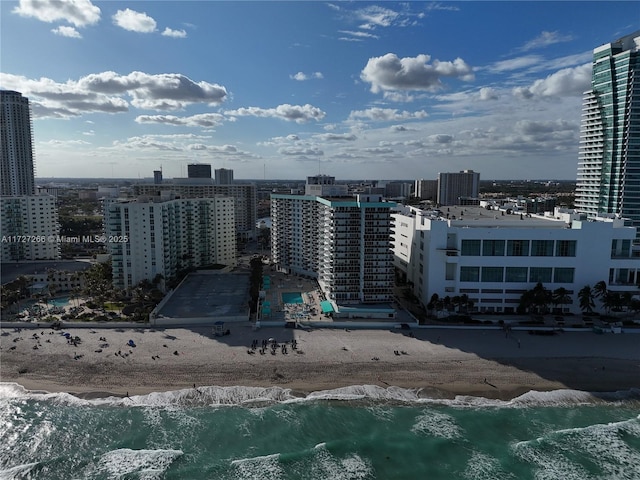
545,39
134,21
516,63
488,93
296,113
374,16
206,120
335,137
356,36
301,151
565,82
76,12
301,76
65,31
168,32
107,92
386,114
411,73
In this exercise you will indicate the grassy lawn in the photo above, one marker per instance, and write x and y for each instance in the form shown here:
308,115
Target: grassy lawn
113,306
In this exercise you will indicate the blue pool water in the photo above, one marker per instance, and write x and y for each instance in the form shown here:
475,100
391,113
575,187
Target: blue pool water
292,297
59,302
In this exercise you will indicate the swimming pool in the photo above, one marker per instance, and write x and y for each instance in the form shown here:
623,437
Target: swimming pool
59,302
292,297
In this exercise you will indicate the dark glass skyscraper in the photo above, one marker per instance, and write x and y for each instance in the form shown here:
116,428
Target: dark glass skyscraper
608,180
16,145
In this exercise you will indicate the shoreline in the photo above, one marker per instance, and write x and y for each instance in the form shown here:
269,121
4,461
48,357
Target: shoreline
440,363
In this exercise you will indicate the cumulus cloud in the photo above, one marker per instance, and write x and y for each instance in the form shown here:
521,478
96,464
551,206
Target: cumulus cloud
388,72
109,92
488,93
336,137
301,151
301,76
76,12
545,39
440,138
294,113
65,31
162,92
565,82
134,21
386,114
169,32
206,120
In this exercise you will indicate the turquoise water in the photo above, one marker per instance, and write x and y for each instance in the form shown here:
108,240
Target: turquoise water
361,432
59,302
292,297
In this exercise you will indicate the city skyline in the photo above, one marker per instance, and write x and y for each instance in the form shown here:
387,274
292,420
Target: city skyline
415,89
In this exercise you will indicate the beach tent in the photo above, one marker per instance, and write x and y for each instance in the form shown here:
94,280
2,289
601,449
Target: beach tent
131,343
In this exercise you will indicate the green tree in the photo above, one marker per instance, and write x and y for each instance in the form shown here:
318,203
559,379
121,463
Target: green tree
561,297
585,297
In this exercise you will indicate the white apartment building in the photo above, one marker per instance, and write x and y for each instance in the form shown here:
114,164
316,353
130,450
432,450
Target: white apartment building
29,228
152,236
452,187
343,242
494,256
244,196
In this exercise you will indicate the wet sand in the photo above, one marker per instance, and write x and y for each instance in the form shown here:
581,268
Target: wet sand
443,363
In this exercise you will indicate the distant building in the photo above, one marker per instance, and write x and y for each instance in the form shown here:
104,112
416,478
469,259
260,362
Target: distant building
16,145
609,156
426,189
224,176
324,186
397,190
343,242
454,186
153,236
492,257
199,170
29,228
157,177
244,196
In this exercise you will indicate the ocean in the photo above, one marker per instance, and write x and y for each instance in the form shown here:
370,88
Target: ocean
360,432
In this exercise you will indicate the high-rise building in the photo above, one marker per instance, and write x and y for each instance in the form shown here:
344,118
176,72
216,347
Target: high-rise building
343,242
29,227
224,176
426,189
157,177
154,236
608,180
16,145
244,196
453,187
199,170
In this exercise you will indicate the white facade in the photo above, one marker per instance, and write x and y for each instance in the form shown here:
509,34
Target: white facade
494,257
244,196
341,241
29,228
147,238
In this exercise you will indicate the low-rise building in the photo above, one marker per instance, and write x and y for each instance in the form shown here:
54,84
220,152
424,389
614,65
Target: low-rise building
494,256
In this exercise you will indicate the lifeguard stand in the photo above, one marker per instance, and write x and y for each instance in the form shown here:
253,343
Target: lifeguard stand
218,329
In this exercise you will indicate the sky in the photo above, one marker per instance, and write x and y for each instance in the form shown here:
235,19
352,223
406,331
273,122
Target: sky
284,90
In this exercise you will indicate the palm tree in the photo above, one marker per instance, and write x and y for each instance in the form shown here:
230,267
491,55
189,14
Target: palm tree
561,297
585,296
600,292
541,297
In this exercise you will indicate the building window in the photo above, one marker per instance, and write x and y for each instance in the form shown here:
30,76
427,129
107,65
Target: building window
469,274
563,275
470,248
517,248
542,248
516,274
492,274
566,248
540,274
493,248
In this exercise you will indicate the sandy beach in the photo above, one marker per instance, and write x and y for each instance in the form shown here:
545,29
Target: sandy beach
443,363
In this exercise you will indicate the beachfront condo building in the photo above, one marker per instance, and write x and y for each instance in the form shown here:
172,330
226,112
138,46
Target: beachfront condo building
16,144
160,236
244,196
456,186
608,180
338,239
29,227
495,255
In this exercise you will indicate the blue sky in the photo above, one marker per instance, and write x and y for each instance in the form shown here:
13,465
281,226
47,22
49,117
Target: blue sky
282,90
